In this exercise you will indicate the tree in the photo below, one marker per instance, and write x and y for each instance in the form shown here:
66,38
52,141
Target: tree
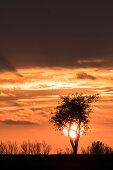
73,109
45,148
97,147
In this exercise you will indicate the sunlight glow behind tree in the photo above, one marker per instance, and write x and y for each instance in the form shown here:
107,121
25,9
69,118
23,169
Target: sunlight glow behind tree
72,116
72,132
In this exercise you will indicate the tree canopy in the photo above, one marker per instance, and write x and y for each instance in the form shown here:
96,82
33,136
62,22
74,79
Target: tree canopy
73,108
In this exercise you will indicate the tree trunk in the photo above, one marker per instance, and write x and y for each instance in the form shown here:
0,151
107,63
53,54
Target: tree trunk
74,143
76,140
74,146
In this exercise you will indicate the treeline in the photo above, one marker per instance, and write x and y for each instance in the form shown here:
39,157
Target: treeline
27,148
30,148
38,148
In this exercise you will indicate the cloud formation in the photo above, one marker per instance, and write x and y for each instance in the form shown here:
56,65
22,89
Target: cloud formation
12,122
6,65
86,61
62,34
85,76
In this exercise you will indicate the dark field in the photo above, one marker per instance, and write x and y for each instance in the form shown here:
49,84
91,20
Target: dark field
60,162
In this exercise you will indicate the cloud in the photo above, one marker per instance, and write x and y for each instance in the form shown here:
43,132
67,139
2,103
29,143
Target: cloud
72,44
6,65
85,76
90,61
43,114
12,122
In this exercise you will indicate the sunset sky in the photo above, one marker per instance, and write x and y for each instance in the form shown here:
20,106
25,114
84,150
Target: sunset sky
51,48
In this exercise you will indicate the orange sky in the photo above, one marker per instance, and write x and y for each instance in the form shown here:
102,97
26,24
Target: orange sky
26,103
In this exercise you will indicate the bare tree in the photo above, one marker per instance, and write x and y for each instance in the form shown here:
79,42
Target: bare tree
34,148
45,148
8,148
30,148
15,148
2,148
24,148
27,148
73,109
37,148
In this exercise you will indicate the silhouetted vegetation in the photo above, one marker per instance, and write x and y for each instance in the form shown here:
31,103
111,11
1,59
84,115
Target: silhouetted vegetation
60,151
8,148
97,148
37,148
73,109
31,148
34,155
45,148
26,148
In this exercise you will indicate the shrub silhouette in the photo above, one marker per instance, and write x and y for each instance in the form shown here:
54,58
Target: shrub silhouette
35,148
45,148
31,148
26,148
68,151
97,148
2,148
8,148
12,148
59,151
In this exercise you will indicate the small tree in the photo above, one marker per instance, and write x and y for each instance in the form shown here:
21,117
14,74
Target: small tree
97,147
73,109
3,147
45,148
24,148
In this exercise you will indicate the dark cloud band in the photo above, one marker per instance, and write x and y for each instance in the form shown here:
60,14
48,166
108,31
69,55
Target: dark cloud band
12,122
6,65
85,76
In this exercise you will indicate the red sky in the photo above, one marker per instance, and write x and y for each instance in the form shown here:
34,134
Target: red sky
51,48
27,101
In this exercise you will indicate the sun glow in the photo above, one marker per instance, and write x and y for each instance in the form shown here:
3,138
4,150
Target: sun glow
73,130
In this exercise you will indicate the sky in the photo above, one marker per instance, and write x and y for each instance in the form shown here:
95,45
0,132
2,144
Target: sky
51,48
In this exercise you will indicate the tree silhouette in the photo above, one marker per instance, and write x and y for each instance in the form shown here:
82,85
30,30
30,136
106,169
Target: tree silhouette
97,147
73,109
